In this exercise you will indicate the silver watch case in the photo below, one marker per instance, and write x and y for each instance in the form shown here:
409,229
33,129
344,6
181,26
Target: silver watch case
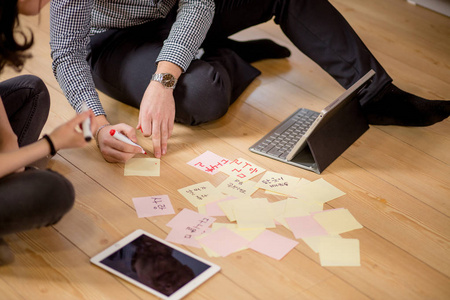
166,79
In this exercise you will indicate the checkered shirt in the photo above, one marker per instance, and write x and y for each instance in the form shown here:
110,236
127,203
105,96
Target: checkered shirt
72,22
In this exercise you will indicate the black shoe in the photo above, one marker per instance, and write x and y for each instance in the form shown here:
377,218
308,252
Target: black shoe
392,106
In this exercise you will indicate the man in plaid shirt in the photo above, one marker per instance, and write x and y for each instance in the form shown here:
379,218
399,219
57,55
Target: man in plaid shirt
145,53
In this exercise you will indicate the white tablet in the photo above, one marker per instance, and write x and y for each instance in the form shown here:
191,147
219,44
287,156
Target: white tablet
155,265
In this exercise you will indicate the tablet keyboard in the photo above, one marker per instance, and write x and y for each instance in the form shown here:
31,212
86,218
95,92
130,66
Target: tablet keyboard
280,140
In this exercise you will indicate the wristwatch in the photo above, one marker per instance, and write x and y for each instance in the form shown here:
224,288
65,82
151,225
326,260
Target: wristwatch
166,79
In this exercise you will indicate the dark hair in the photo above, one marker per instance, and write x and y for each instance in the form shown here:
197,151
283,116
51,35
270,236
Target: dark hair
11,52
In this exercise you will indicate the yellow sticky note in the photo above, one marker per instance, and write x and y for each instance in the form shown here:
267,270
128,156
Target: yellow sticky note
318,190
201,193
335,252
216,226
253,214
314,241
248,234
241,169
277,210
279,183
337,221
300,207
142,167
210,252
227,207
236,187
202,209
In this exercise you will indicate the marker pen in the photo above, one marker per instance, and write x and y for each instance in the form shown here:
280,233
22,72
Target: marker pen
86,124
117,135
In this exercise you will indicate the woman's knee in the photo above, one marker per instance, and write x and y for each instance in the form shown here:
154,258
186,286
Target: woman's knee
61,189
55,191
38,92
33,199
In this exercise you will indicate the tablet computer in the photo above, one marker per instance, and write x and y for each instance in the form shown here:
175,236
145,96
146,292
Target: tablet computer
155,265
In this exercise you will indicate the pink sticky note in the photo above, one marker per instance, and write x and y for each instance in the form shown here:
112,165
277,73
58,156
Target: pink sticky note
153,206
208,162
191,221
223,241
182,237
305,226
272,244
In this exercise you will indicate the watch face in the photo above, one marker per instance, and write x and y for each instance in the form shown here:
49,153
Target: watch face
168,80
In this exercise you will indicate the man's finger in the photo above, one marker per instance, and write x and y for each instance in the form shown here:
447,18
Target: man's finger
156,138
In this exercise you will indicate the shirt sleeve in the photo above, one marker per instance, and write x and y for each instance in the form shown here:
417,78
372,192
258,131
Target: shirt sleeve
192,23
69,42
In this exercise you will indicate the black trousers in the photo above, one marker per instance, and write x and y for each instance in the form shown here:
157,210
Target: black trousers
122,61
32,198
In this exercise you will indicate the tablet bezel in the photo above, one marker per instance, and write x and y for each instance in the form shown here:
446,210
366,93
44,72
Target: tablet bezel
180,293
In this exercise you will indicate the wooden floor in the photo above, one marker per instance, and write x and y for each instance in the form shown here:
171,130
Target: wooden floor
396,179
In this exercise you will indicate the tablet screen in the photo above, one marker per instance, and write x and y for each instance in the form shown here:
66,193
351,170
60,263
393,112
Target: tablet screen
155,264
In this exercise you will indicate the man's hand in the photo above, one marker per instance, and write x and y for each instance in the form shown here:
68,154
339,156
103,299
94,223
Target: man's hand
157,111
157,115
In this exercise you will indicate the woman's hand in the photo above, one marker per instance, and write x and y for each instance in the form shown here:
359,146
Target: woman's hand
114,150
69,135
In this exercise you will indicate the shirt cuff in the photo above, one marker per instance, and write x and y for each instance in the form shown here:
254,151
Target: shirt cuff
176,54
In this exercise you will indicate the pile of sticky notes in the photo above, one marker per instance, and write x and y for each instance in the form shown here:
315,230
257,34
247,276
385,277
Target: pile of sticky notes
301,211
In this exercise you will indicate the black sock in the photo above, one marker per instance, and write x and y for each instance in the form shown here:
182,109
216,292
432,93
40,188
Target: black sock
392,106
256,50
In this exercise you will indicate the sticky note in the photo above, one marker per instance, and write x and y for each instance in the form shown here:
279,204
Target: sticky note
337,221
277,211
223,241
339,253
208,162
213,209
279,183
153,206
314,241
318,190
305,226
182,237
272,244
242,169
236,187
142,167
253,214
228,205
201,193
191,221
300,207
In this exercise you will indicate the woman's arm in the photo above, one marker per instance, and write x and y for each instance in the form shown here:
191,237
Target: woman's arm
31,7
63,137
